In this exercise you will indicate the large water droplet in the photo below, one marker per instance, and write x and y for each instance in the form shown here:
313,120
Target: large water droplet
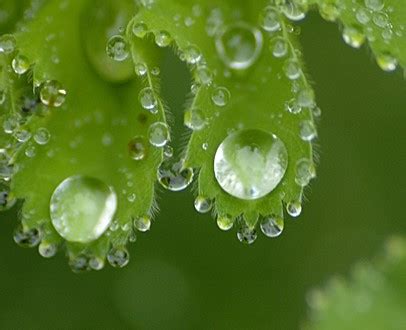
173,175
117,48
158,134
82,208
272,226
239,45
250,163
52,93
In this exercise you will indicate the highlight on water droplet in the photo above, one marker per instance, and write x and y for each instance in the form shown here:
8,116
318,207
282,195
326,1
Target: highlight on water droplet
158,134
173,175
192,54
117,48
250,163
239,45
143,224
203,204
195,119
52,93
20,64
221,96
82,208
272,226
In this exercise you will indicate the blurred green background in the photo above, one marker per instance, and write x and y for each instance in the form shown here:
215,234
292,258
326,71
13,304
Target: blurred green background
187,274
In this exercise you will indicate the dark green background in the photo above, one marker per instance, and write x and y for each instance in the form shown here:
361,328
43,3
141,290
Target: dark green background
187,274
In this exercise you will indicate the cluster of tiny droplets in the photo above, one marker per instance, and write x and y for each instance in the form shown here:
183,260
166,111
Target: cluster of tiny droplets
45,97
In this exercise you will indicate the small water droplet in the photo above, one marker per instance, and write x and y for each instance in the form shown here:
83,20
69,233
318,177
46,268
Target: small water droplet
22,135
131,197
172,175
82,208
163,39
272,226
117,48
158,134
79,263
280,47
294,208
329,11
307,130
362,16
293,11
96,263
225,222
52,93
203,204
118,257
42,136
305,171
7,44
292,69
136,148
27,237
246,235
20,64
374,4
386,62
168,151
139,29
195,119
204,75
143,224
353,36
148,100
305,98
2,97
250,163
47,250
140,69
221,96
239,45
380,19
269,19
31,151
192,54
6,200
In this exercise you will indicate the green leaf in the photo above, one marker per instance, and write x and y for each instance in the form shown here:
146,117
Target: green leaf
373,298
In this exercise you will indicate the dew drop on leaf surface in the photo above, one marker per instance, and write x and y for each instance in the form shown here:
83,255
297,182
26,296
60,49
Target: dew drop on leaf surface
82,208
250,163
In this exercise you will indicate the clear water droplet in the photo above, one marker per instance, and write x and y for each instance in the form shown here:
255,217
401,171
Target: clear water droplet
280,47
381,19
269,19
386,62
156,71
7,44
329,11
148,100
374,4
292,106
294,208
158,134
292,69
6,199
42,136
117,48
305,171
2,97
239,45
203,204
47,250
118,257
308,131
246,235
20,64
221,96
52,93
139,29
362,16
136,148
79,263
192,54
292,11
272,226
22,135
163,39
168,151
27,237
172,175
195,119
225,222
305,98
204,75
250,163
82,208
96,263
140,69
143,224
31,151
353,36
